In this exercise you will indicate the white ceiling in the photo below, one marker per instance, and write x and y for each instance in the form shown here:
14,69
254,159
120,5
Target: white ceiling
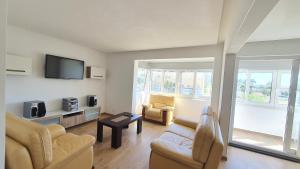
283,22
122,25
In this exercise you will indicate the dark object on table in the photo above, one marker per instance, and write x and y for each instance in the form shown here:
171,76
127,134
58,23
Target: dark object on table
118,123
128,114
92,100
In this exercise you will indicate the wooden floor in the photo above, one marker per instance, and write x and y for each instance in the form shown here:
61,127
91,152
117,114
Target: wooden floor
260,139
135,151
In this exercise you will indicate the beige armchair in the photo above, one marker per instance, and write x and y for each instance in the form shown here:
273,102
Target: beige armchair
29,145
160,109
188,145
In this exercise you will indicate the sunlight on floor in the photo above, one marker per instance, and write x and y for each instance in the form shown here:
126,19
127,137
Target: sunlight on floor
258,139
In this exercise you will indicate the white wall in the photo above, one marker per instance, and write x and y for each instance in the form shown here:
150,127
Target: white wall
120,75
3,13
253,118
288,47
25,88
189,108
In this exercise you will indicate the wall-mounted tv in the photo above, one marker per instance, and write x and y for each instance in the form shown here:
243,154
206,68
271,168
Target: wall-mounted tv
63,68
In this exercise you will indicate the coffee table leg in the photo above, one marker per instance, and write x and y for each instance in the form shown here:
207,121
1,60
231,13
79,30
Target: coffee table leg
99,132
116,137
139,125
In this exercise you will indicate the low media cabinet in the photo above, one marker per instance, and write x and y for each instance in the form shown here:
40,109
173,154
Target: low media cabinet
69,119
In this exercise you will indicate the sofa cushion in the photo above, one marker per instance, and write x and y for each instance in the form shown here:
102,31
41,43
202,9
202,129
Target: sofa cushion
167,100
182,131
178,140
68,146
204,138
153,118
153,112
159,105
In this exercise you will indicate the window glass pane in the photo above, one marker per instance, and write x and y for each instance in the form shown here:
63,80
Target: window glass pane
282,91
187,83
156,79
260,86
203,84
169,82
141,79
241,86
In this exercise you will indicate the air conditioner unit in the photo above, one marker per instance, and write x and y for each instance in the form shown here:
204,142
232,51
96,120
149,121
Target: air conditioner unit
95,72
18,65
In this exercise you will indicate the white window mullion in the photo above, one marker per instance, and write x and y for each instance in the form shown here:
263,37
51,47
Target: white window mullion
150,81
179,74
273,88
162,82
194,85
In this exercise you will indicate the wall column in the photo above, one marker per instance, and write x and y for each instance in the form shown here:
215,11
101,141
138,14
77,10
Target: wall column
227,96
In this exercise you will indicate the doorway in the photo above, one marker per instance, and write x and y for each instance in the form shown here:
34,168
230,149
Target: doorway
266,107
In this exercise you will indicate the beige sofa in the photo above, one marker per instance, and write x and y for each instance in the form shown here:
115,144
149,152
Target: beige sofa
160,109
29,145
189,145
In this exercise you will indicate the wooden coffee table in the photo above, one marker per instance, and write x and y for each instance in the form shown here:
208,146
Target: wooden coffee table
118,123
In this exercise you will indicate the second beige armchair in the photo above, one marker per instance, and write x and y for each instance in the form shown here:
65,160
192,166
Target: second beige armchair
160,109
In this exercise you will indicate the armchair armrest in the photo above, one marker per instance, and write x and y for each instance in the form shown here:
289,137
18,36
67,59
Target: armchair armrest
174,152
147,106
185,122
56,130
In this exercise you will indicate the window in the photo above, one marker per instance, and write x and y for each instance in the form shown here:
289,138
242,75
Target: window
141,79
282,90
169,82
260,87
187,84
255,86
156,79
195,84
241,86
203,85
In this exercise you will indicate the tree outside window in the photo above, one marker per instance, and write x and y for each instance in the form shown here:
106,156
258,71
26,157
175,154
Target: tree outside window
156,79
169,82
141,79
260,87
254,87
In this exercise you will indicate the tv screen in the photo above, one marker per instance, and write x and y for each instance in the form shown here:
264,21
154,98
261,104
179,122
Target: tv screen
63,68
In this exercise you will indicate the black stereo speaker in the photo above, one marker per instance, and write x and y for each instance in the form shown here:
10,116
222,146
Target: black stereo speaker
92,100
34,109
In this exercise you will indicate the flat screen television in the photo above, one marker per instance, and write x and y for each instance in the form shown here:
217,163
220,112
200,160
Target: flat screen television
63,68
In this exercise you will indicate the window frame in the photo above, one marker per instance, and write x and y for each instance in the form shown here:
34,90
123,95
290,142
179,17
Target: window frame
178,82
163,81
195,83
151,75
274,86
